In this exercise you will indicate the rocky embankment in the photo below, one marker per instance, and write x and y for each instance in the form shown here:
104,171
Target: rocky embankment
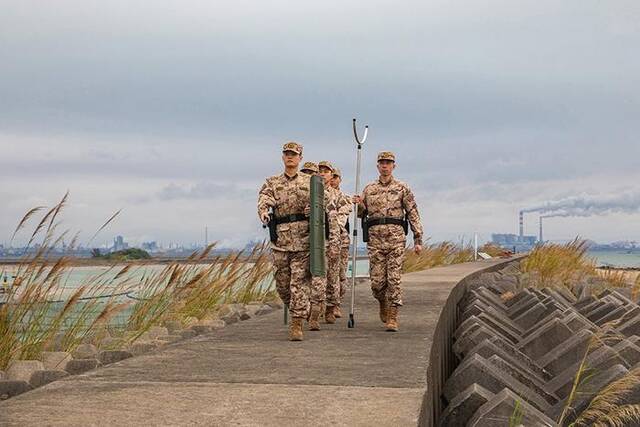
519,351
95,351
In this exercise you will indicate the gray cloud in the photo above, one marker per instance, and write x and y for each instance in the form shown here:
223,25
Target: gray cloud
494,105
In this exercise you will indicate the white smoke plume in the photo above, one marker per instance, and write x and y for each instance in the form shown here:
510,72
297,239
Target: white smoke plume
588,205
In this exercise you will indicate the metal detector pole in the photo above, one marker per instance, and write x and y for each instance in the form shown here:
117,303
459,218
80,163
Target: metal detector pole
352,323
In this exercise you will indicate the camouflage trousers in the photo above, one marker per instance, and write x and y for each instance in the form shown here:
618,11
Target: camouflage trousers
385,270
344,263
333,274
293,280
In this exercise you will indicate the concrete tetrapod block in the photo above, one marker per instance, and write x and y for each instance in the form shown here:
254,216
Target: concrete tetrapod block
555,314
477,370
79,366
487,297
499,411
462,346
559,297
546,338
532,316
496,346
501,322
85,351
55,360
628,351
107,357
10,388
631,327
588,391
40,378
472,323
21,370
568,353
522,295
614,317
599,360
522,306
526,377
618,296
577,322
464,405
602,311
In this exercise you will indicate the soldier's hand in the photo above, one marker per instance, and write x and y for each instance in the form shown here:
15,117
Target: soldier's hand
307,210
264,218
417,249
357,199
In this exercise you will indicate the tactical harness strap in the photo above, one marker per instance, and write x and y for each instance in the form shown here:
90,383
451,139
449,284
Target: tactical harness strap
291,218
385,220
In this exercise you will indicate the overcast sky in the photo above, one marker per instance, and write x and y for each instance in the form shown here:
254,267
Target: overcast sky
175,111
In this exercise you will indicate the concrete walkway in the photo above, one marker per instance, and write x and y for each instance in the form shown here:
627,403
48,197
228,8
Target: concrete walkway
249,374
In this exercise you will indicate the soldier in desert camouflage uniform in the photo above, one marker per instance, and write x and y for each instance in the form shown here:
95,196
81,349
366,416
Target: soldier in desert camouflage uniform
288,195
309,168
386,202
345,207
332,246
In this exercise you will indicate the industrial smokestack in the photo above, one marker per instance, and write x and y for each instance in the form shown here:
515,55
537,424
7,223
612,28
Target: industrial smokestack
541,241
521,218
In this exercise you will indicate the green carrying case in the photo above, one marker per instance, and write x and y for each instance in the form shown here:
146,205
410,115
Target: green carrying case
317,228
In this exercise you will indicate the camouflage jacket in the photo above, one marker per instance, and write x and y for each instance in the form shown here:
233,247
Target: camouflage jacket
345,207
332,207
391,200
287,195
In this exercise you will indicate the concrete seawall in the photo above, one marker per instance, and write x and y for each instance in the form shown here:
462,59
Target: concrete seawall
248,374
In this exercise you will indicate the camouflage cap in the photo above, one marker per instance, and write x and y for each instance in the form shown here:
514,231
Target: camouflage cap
326,164
386,155
309,167
337,172
292,146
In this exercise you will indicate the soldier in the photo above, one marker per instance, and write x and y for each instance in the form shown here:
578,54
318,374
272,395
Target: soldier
287,195
345,207
387,204
332,243
309,168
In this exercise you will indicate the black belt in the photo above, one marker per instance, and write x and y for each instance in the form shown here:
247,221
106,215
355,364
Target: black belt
291,218
385,220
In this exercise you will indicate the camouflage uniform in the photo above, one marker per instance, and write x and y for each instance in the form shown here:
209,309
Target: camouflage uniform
345,207
387,242
289,195
309,168
332,245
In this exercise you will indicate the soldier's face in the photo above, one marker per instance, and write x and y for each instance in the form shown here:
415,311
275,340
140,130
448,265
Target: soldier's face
291,159
386,167
326,174
335,181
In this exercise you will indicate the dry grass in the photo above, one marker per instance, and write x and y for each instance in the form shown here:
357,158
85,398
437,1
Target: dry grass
608,407
38,316
556,265
444,253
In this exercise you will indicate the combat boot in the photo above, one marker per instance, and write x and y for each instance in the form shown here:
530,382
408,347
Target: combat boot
295,329
337,311
314,315
329,316
383,311
392,319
